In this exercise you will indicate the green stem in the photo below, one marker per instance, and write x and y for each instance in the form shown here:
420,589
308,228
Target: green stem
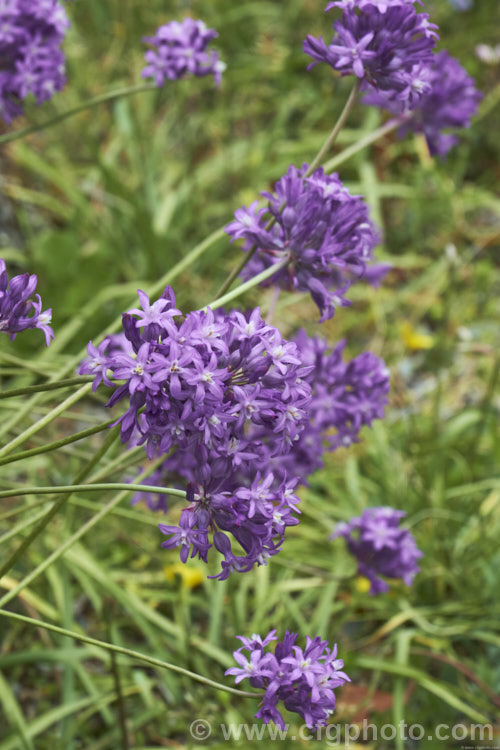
119,464
486,404
363,143
250,284
18,511
115,669
128,652
101,99
57,443
28,390
22,526
239,268
101,487
58,504
72,539
25,364
316,162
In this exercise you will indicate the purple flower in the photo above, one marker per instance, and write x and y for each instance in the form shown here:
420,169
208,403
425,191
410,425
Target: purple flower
320,228
462,4
381,5
180,49
221,393
382,43
346,396
185,536
449,101
17,311
303,679
31,59
381,547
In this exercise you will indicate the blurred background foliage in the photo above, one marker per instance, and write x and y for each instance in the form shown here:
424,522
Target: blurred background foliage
111,199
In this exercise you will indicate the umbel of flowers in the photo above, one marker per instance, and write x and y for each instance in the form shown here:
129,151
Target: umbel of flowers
381,547
449,100
382,42
18,311
346,396
303,679
389,46
31,60
181,49
323,231
225,392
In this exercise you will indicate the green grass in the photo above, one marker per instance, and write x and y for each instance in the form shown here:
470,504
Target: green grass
114,198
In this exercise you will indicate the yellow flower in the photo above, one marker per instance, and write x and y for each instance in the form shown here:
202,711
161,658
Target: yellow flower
414,340
362,585
190,577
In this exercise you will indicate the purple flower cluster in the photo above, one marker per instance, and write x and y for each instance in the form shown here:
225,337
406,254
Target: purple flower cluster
181,48
384,43
255,516
31,61
227,392
381,547
346,396
17,311
449,101
304,680
323,231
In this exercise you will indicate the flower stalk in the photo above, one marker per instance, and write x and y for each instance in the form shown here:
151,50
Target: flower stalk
128,652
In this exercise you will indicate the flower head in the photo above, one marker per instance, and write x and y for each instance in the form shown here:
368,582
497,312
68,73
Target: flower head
220,393
181,49
31,59
449,100
381,547
346,396
381,42
18,312
303,679
323,231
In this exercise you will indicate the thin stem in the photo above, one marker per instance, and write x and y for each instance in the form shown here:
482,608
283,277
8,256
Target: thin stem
109,96
108,508
58,504
23,509
57,443
336,129
26,364
346,154
122,717
250,284
47,419
128,652
237,270
488,398
29,389
101,487
22,526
